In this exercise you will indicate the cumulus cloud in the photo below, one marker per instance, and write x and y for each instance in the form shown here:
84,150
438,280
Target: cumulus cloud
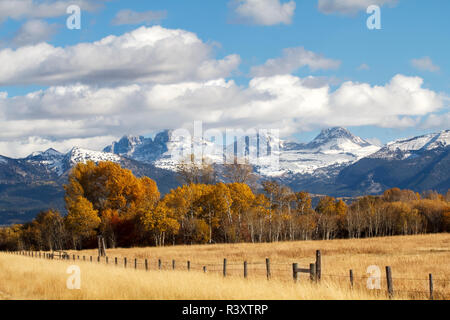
133,17
437,121
425,64
292,60
350,7
34,31
66,113
263,12
153,55
26,9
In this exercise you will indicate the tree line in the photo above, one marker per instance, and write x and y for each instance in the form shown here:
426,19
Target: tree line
105,199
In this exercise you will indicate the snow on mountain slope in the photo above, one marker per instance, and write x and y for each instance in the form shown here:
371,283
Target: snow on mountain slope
59,163
406,148
51,159
335,146
79,155
332,147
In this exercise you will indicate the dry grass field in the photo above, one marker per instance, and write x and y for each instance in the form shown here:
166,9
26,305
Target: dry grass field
411,258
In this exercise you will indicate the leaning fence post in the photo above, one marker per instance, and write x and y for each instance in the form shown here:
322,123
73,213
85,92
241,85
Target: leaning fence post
430,277
294,271
224,267
351,278
312,272
245,270
318,265
389,282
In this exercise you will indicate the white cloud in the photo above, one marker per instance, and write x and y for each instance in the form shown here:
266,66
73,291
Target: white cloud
133,17
26,9
61,115
292,60
153,55
263,12
437,121
34,31
350,7
425,64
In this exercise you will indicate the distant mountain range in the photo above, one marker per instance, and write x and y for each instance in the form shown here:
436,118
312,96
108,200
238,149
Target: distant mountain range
336,163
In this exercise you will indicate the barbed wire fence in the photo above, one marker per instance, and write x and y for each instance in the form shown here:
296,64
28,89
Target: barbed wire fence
427,288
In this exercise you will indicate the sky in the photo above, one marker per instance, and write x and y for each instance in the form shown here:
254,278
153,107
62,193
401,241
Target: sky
137,67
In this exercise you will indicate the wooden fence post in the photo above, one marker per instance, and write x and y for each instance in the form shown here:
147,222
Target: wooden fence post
390,286
312,272
159,264
268,268
125,262
135,263
204,269
106,260
318,265
189,265
294,272
224,267
173,264
351,278
84,258
115,261
245,270
98,259
90,258
73,256
430,277
146,265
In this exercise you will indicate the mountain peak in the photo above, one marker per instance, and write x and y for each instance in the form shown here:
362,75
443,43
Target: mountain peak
405,148
45,154
125,146
337,138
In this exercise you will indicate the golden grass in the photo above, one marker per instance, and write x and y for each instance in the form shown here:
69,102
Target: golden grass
27,278
412,258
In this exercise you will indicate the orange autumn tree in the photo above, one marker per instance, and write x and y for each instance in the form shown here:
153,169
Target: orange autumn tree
119,199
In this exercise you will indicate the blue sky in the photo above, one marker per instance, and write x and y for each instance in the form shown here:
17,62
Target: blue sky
412,30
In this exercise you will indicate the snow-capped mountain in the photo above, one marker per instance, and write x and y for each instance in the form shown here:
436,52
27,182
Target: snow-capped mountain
332,147
419,163
79,155
335,146
51,159
58,163
336,163
406,148
165,151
